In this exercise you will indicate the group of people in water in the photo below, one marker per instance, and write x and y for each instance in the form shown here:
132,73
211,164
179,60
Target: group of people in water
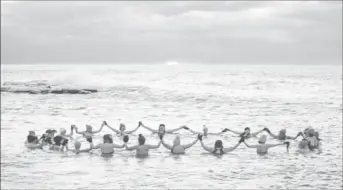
310,140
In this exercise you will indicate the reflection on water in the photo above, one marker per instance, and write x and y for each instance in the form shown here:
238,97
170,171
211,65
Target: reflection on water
219,97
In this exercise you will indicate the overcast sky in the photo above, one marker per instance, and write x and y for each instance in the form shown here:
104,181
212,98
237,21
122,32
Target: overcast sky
236,32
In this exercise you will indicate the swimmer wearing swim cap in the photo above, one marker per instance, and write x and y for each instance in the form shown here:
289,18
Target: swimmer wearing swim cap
218,148
177,148
122,129
141,148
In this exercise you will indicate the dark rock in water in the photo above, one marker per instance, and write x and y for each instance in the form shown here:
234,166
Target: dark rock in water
90,90
5,89
69,91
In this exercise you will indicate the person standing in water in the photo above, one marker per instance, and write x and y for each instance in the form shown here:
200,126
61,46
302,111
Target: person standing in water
162,129
262,147
246,134
122,129
89,131
61,141
32,141
218,148
142,149
205,131
107,147
177,148
282,134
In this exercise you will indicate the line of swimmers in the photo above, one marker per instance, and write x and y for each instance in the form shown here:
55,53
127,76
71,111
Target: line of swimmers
60,142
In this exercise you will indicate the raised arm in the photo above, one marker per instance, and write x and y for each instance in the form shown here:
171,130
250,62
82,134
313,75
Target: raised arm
192,131
131,148
113,129
155,146
134,130
256,133
190,144
174,130
152,130
293,138
232,148
101,127
166,145
219,133
235,132
77,131
270,133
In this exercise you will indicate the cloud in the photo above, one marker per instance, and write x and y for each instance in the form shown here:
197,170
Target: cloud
201,32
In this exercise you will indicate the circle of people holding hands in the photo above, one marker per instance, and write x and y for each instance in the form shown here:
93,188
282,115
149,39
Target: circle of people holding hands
60,141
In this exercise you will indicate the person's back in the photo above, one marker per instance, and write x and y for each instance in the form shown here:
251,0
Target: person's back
106,148
262,149
142,150
178,149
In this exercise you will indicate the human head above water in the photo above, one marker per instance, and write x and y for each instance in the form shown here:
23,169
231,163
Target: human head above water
141,139
262,139
218,144
247,130
107,138
177,141
122,127
162,128
89,128
77,145
205,130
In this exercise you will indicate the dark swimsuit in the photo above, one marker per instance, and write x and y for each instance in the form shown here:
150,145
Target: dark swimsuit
46,139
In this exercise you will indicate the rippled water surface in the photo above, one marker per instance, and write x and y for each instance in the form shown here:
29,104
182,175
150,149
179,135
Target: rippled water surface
290,97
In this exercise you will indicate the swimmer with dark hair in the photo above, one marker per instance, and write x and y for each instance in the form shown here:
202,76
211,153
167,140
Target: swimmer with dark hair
162,129
32,141
218,148
205,131
262,147
246,134
282,134
177,148
142,149
107,147
312,139
88,133
122,129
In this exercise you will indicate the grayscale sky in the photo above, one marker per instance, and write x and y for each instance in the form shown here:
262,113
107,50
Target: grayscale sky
271,32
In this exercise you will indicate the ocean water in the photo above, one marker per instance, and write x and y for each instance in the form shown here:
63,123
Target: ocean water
218,96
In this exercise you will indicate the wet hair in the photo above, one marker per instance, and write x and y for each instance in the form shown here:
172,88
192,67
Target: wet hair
218,145
48,131
108,138
31,139
247,128
141,139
